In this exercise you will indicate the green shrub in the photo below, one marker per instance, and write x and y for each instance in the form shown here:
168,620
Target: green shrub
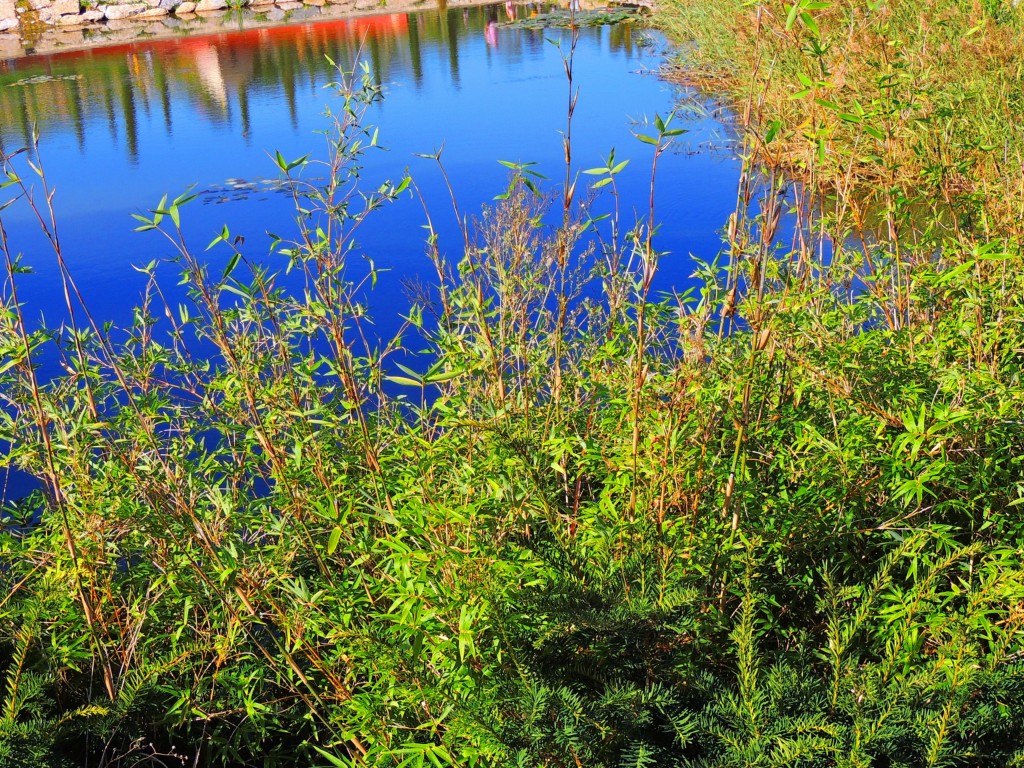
771,521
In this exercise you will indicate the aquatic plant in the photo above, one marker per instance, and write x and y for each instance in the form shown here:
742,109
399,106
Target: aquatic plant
580,18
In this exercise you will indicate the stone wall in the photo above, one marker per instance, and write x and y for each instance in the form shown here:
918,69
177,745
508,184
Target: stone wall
23,15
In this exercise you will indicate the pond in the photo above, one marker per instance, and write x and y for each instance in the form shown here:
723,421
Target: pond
121,126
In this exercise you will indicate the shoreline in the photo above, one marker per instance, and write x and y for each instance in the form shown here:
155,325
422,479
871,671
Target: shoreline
148,22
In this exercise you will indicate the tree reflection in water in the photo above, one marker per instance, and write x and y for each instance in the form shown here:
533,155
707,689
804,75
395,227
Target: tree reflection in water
219,74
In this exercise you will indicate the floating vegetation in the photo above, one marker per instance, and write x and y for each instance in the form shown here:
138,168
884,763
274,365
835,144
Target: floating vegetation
242,189
43,79
624,15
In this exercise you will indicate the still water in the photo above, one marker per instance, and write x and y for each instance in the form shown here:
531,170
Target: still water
121,126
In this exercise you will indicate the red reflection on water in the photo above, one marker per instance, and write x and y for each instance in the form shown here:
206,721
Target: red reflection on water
392,25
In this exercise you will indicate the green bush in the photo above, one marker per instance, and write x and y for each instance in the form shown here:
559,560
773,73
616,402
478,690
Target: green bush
770,521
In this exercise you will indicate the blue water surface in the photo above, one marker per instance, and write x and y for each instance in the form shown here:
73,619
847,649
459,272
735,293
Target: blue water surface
155,118
121,126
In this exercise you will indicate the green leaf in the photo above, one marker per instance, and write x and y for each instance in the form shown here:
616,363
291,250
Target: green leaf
438,378
332,542
404,381
10,363
791,16
183,198
158,214
336,762
810,23
232,263
409,371
223,237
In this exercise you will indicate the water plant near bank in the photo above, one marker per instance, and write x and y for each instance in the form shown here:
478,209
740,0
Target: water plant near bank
601,18
560,520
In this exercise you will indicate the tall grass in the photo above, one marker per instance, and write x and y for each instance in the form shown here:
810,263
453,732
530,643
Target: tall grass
904,116
772,521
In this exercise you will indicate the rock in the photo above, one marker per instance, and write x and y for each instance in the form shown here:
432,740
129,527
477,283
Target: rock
318,3
290,6
10,47
69,21
153,13
186,7
71,37
275,14
64,8
6,24
211,5
124,11
91,15
7,10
